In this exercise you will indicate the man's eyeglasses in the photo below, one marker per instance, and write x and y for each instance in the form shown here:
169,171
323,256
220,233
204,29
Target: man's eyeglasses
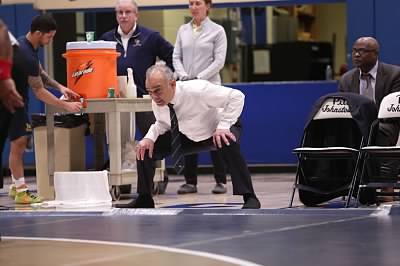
126,13
155,92
362,51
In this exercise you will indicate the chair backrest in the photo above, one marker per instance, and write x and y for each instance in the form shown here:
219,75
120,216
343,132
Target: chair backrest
390,106
332,124
333,108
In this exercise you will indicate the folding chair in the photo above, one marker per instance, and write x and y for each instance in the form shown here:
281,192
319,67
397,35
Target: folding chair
328,159
371,178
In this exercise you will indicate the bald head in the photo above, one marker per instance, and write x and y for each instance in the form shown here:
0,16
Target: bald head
365,53
370,42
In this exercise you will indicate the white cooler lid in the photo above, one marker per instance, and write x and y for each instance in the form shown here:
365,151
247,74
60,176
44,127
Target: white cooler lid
91,45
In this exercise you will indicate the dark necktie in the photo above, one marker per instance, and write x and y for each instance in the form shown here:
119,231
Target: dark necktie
176,146
367,90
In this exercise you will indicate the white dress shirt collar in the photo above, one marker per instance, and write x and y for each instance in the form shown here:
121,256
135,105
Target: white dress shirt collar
176,99
129,34
125,37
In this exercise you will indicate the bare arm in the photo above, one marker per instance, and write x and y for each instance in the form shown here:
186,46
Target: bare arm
49,82
5,44
44,95
9,96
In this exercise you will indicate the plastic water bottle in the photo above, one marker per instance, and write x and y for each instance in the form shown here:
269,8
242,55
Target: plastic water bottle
328,72
131,86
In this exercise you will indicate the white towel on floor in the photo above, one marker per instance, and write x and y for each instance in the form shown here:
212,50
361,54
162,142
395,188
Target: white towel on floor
80,189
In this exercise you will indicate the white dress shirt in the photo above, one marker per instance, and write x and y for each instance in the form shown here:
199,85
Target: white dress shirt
125,37
196,104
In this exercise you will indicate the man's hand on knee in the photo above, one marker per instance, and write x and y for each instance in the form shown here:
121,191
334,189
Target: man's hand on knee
223,135
143,145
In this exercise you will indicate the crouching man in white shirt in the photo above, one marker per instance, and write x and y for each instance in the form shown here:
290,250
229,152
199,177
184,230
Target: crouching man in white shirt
208,118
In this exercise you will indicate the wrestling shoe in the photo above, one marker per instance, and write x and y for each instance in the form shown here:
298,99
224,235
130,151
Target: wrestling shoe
26,197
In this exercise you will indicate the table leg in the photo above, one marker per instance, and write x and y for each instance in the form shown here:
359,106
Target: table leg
50,147
114,130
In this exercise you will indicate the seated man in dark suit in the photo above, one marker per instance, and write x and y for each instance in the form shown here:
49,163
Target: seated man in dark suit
375,80
188,120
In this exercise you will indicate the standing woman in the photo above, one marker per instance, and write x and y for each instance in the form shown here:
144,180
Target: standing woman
199,53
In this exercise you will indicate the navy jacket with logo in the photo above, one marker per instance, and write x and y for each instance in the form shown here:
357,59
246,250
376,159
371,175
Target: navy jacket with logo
144,47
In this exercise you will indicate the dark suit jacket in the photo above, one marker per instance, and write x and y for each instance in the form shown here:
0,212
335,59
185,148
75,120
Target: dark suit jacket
387,81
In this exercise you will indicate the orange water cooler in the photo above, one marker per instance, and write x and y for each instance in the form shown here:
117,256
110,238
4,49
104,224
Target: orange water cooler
92,68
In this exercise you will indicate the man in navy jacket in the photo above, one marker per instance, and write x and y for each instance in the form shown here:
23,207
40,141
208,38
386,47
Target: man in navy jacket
139,47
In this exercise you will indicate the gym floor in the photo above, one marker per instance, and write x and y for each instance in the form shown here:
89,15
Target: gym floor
201,229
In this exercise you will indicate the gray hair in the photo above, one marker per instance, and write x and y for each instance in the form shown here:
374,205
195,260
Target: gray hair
160,66
133,2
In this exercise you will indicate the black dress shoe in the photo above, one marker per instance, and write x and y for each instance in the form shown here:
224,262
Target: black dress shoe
251,202
140,202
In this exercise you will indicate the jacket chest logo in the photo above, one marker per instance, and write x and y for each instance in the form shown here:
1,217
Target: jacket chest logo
137,43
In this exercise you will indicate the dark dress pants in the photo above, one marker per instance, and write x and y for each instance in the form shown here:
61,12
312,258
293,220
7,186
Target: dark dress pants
231,154
388,134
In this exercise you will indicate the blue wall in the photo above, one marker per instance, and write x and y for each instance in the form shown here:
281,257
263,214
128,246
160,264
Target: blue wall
273,118
377,18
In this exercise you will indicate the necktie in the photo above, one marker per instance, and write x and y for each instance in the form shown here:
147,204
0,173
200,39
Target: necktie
176,146
367,90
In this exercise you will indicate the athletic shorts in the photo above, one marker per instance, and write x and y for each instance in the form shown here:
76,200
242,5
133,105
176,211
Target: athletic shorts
20,124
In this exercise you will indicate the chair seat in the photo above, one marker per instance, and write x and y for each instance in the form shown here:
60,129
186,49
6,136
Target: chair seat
321,191
381,148
392,184
328,151
384,151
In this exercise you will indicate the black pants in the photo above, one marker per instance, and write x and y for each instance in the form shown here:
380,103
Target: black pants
190,170
388,134
231,154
